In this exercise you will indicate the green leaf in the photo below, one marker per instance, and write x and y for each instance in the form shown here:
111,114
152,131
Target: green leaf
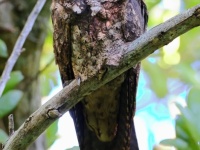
51,133
3,49
178,143
181,132
190,124
186,114
193,101
15,78
3,136
9,101
188,120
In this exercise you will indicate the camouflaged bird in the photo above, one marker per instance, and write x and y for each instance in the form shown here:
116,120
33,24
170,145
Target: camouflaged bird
86,34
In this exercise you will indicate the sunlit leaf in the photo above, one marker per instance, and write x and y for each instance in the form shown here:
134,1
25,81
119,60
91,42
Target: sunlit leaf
3,136
9,101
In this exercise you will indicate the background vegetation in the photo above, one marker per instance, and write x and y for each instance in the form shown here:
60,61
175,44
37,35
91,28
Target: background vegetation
169,80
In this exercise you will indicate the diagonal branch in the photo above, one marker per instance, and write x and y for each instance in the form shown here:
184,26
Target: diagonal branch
73,93
20,42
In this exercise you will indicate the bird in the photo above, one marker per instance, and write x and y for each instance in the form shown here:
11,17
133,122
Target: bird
86,34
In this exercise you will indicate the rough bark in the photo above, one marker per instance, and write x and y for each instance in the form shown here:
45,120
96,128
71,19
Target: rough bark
13,17
73,93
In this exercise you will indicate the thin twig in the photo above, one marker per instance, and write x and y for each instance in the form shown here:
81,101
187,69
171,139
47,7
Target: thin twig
73,93
11,126
20,42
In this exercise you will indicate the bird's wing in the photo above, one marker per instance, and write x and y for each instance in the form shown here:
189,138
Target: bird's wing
126,129
62,41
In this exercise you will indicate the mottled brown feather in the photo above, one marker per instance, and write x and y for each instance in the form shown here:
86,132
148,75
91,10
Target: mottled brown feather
85,36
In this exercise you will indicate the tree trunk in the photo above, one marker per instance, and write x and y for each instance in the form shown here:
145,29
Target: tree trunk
13,15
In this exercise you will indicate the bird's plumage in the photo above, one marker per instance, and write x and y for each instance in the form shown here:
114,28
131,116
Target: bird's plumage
86,34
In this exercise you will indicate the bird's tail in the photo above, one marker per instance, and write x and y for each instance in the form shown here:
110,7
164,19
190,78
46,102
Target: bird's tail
125,138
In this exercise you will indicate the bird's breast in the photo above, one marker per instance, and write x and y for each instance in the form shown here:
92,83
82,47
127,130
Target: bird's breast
94,40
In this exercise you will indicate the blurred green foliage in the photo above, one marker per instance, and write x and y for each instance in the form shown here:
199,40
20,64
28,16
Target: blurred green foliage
10,99
49,75
49,79
178,61
187,124
51,134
